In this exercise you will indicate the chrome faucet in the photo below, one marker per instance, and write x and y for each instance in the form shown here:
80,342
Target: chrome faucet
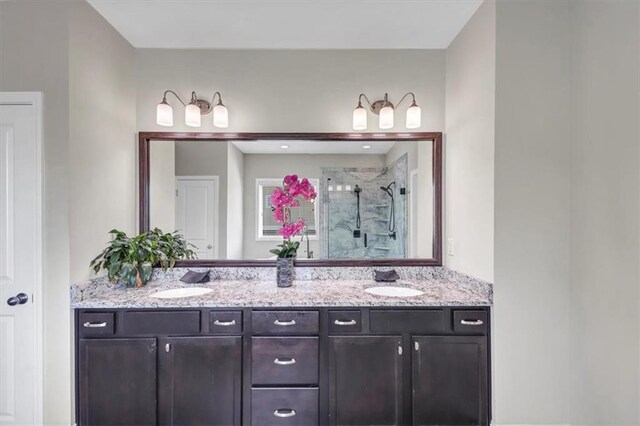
309,252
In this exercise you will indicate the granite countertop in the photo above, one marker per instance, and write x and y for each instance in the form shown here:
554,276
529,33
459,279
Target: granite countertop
255,287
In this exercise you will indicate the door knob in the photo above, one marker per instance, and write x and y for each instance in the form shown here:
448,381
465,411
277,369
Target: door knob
18,299
209,246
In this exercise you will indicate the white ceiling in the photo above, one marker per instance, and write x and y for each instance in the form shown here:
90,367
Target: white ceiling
288,24
313,147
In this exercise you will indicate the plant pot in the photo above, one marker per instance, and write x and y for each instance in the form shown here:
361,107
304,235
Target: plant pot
284,271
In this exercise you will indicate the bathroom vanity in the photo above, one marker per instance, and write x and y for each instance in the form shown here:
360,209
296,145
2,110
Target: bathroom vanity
322,352
327,351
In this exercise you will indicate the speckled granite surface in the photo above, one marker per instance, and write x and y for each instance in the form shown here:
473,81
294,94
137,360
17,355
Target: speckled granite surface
256,287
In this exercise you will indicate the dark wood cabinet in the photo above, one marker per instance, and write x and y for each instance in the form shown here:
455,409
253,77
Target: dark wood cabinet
449,380
365,380
117,381
200,381
305,366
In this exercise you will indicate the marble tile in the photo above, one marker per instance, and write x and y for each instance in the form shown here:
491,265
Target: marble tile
339,211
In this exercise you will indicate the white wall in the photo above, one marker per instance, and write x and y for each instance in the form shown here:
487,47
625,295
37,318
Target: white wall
290,90
102,144
23,52
162,185
235,202
532,213
469,144
67,51
605,188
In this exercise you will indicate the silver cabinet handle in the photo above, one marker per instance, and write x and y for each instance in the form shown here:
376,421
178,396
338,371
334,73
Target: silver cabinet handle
94,324
224,323
209,246
284,413
285,361
284,323
471,322
350,322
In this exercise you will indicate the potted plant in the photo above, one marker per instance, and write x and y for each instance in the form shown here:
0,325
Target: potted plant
282,200
131,260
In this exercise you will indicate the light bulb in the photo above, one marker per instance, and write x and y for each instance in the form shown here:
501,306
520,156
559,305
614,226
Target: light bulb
414,117
164,114
386,118
220,116
359,118
192,115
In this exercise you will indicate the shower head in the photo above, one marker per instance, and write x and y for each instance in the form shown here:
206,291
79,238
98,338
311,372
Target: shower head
388,189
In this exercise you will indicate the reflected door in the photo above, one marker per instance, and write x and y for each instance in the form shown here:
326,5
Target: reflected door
19,252
197,213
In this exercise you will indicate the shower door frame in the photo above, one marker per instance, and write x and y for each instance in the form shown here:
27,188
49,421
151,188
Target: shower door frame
145,138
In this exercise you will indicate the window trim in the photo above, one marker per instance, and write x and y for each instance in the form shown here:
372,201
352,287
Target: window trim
260,183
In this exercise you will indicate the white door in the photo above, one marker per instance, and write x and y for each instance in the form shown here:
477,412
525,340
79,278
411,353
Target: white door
197,213
20,261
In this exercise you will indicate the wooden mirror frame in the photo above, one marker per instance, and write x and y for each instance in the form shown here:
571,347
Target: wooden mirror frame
144,139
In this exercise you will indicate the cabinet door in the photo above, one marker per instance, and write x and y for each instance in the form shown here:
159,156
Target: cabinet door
449,380
117,382
200,380
365,380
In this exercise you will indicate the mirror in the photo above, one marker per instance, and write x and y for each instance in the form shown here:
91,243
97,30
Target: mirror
376,199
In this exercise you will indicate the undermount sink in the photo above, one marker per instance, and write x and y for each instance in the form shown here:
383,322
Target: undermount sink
394,291
175,293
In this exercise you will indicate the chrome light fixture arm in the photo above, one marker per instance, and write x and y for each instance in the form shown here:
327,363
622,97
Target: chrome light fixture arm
413,97
213,99
164,97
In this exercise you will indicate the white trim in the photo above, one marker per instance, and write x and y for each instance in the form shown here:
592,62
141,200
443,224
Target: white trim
36,99
258,208
216,202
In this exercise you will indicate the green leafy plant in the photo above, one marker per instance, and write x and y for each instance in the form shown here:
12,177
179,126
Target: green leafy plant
288,249
131,259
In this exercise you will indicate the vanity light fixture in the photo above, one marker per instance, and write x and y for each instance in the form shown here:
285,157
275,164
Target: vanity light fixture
385,109
193,111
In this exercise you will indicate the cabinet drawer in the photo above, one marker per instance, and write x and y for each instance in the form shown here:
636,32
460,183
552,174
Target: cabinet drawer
286,406
161,322
410,321
97,324
225,322
345,322
285,322
284,360
469,321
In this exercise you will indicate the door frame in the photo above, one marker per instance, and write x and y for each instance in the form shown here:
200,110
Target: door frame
216,206
36,100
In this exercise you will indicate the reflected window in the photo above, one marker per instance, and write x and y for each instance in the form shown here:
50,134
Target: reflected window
266,227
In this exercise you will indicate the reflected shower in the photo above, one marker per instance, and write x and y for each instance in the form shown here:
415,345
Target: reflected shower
392,209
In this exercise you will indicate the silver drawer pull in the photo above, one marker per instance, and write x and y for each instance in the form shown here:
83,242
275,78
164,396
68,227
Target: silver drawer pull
285,361
94,324
224,323
284,413
278,322
350,322
471,322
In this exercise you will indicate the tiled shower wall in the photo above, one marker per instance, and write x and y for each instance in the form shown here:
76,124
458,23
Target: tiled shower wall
338,207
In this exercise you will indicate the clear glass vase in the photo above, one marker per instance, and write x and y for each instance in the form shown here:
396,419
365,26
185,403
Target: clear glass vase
284,271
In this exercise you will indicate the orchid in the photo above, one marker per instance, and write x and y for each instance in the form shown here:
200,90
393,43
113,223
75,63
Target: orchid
282,200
